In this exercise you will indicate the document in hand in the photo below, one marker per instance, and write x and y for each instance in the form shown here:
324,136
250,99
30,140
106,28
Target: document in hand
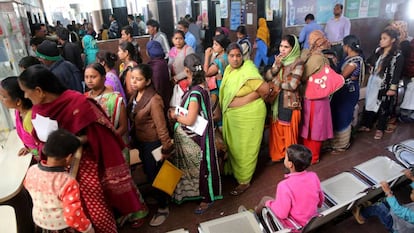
156,153
199,125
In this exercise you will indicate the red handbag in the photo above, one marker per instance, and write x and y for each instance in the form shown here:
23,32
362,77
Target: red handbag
211,83
323,83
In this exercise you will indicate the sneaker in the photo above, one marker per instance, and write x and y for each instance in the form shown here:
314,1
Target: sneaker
159,217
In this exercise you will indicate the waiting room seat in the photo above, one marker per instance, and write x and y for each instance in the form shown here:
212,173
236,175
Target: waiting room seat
243,222
181,230
344,191
7,219
404,152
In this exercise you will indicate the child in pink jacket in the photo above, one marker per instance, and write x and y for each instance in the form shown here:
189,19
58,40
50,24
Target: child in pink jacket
299,195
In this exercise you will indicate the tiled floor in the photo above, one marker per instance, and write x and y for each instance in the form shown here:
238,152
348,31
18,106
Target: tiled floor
364,147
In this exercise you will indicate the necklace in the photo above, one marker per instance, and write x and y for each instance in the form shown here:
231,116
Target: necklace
91,94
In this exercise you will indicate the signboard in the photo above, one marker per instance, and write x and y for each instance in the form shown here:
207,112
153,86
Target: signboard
235,15
362,8
296,10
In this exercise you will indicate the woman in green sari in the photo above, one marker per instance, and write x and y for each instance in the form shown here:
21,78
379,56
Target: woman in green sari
244,112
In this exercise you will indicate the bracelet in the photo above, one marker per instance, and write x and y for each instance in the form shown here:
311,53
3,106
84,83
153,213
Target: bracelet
390,193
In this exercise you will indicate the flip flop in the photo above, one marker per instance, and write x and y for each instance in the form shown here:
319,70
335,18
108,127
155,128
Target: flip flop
240,189
159,218
201,209
378,135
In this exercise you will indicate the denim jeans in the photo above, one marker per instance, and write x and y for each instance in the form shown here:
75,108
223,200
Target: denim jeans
380,210
151,168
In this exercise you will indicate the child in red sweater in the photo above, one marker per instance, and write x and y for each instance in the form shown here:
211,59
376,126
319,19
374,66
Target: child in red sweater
55,194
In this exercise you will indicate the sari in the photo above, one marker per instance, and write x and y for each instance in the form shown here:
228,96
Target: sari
242,126
196,155
111,103
104,178
112,80
343,104
24,130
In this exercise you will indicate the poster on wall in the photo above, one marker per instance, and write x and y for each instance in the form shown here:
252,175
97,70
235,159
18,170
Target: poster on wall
362,8
272,9
235,15
296,10
223,9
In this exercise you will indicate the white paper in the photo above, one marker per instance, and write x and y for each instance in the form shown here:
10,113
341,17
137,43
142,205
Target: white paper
44,126
156,153
199,126
249,19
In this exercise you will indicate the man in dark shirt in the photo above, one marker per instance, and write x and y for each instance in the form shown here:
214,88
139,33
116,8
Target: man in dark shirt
134,25
70,51
68,73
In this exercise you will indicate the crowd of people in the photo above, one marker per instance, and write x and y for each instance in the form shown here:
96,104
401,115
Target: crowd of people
160,104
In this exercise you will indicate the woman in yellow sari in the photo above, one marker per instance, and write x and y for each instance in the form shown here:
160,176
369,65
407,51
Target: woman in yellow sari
244,115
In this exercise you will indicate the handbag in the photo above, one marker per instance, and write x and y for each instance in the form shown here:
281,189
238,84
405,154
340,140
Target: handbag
323,83
211,83
176,96
167,178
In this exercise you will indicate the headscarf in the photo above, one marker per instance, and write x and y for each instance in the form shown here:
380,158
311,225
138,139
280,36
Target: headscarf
263,32
401,27
295,53
318,41
89,42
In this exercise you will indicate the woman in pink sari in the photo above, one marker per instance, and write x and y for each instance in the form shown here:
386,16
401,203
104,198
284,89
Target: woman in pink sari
105,181
13,97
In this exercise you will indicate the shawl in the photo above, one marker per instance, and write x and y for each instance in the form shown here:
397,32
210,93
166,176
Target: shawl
263,32
295,53
83,116
90,49
23,131
318,41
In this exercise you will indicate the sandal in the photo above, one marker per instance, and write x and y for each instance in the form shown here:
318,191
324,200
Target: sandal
137,223
159,217
391,126
203,207
240,189
378,135
364,129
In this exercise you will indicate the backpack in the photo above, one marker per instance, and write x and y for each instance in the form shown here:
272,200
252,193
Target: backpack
249,45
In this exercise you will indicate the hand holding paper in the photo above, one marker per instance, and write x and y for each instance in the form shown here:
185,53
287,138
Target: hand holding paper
44,126
199,125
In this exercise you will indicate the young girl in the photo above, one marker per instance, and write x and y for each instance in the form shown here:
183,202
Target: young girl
299,195
382,84
215,62
149,131
126,53
244,42
175,63
111,102
196,154
286,74
107,60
